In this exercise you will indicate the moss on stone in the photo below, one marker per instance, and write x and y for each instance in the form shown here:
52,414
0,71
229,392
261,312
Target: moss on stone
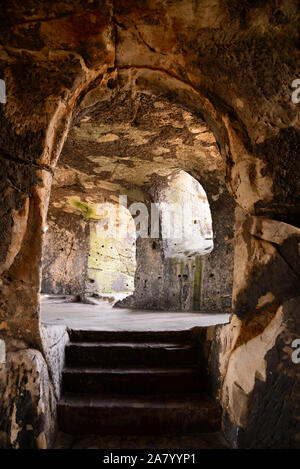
86,210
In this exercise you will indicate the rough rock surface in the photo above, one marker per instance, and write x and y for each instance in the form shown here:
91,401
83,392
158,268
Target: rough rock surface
232,64
260,399
55,339
112,253
137,148
65,254
28,404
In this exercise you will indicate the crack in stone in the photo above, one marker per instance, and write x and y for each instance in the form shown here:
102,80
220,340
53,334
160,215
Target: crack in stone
19,160
286,261
117,23
143,40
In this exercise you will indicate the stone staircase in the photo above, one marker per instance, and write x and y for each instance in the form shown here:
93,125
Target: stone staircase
140,383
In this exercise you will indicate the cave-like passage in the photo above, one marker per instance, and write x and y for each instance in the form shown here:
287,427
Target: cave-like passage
89,251
89,255
67,62
172,246
154,154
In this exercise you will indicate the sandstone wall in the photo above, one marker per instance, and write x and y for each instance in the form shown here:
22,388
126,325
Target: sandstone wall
189,267
251,362
231,62
111,260
65,255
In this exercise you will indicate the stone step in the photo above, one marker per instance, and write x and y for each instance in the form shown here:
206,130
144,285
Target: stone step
138,415
115,354
134,380
129,336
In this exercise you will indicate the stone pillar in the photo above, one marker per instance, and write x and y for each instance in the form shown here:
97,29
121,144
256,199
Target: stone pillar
218,265
169,274
65,255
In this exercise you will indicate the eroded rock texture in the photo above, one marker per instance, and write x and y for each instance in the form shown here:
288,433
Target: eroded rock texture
229,65
112,254
137,147
28,405
65,255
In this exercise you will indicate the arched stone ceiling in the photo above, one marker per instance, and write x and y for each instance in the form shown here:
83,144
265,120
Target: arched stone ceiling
240,57
127,144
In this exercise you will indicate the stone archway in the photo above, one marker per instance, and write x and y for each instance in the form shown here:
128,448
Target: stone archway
220,61
120,144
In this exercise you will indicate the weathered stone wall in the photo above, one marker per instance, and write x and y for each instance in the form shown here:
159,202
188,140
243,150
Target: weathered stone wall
30,386
111,260
165,283
260,399
221,60
149,277
28,404
218,265
82,255
183,283
178,271
54,340
65,255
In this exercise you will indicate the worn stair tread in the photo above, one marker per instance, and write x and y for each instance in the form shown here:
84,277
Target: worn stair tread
138,414
81,335
130,370
147,345
135,382
198,401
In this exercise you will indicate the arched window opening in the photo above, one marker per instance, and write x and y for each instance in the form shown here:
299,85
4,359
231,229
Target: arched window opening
147,169
170,264
89,250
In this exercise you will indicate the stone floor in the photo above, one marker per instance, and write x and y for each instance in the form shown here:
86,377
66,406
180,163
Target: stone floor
103,316
192,441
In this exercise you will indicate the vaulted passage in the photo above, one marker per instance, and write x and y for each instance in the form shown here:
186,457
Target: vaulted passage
89,254
112,253
149,223
132,266
130,159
